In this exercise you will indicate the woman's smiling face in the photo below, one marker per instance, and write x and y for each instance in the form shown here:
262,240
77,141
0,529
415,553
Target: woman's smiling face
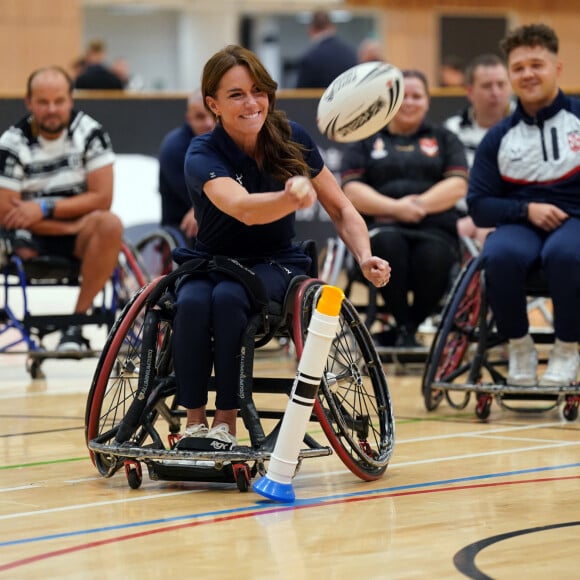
238,103
414,107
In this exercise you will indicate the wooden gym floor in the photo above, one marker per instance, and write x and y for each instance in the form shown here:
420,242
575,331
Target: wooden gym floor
461,498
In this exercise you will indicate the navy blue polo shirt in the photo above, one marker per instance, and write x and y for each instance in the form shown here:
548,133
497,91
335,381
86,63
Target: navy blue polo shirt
215,155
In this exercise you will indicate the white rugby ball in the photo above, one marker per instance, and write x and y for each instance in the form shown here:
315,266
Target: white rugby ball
360,101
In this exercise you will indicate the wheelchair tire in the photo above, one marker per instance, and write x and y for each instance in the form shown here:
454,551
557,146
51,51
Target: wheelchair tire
154,251
353,404
115,380
448,357
131,275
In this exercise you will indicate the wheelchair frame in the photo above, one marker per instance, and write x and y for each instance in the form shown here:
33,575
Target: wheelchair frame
468,355
53,271
130,403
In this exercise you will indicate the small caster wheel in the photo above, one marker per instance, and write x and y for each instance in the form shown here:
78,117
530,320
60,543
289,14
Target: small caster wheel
483,407
570,410
242,475
34,369
134,474
173,438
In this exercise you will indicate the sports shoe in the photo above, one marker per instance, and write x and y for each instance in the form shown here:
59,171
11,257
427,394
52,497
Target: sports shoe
193,438
72,340
563,365
197,430
523,362
222,434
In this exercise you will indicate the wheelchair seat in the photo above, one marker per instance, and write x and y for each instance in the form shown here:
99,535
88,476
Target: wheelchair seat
44,270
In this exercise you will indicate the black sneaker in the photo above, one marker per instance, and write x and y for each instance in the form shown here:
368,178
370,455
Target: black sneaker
72,340
406,338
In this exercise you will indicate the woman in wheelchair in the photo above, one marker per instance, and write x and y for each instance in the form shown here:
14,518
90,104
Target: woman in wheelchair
525,182
244,182
406,180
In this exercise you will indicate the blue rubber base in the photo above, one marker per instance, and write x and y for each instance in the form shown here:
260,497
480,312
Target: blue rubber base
274,490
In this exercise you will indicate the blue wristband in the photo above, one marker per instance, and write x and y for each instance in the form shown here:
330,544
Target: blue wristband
46,207
43,207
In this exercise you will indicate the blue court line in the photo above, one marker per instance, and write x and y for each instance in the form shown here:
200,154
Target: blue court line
262,504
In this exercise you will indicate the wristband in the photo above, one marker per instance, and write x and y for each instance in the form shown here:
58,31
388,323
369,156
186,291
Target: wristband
47,207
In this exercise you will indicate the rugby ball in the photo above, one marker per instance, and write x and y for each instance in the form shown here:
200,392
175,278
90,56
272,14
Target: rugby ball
360,101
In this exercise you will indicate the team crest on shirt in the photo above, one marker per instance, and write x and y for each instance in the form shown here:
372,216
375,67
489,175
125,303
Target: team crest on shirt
429,146
574,140
379,151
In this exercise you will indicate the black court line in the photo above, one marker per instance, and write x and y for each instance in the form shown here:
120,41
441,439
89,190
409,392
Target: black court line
29,416
43,432
464,560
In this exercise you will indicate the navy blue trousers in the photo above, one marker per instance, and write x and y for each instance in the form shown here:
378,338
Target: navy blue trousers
212,313
421,263
510,252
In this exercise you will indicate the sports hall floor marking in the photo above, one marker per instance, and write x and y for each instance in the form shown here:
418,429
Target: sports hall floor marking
263,504
264,508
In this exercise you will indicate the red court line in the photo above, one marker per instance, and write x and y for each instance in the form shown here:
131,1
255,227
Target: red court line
260,512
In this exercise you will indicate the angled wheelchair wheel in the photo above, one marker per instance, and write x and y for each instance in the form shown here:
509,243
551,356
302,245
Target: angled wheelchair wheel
332,260
450,357
353,405
131,275
115,383
155,248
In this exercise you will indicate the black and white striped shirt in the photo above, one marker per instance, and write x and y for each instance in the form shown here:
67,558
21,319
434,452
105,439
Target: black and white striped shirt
58,168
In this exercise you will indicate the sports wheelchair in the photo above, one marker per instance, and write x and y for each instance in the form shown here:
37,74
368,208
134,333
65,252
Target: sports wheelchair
23,328
468,355
132,417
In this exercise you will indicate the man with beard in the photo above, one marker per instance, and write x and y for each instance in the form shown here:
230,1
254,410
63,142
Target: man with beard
56,188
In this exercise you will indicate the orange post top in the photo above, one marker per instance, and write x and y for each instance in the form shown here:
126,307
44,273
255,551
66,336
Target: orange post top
330,300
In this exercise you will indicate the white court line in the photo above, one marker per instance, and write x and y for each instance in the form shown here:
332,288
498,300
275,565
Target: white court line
19,488
511,438
96,504
476,433
485,454
83,480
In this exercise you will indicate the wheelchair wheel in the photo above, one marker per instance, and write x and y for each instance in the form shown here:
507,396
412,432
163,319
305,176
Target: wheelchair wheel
116,378
450,358
332,260
155,250
353,405
131,275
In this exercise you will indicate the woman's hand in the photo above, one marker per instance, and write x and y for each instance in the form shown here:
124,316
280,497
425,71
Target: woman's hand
409,209
377,271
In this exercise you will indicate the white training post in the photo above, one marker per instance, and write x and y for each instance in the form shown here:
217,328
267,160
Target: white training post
277,483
